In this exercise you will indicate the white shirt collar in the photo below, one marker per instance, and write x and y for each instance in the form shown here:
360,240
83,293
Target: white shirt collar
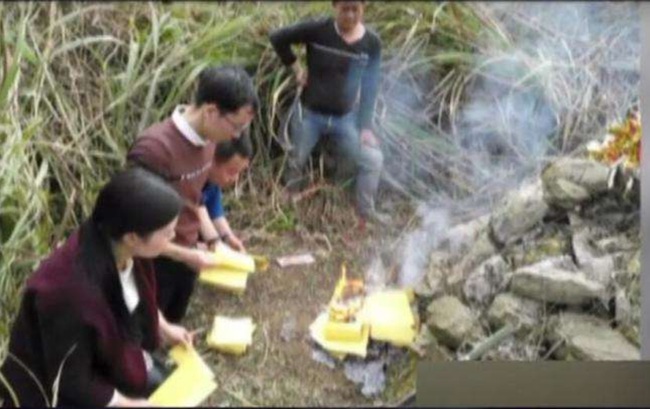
185,128
129,287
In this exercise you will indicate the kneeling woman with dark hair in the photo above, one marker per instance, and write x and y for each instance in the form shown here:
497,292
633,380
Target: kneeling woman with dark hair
89,316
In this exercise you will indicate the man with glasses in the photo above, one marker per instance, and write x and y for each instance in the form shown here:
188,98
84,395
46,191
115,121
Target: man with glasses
181,149
338,96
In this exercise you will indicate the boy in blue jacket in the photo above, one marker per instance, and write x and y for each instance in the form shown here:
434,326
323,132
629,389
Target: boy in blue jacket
230,159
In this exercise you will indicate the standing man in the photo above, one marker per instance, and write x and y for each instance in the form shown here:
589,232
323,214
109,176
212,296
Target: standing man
338,94
181,149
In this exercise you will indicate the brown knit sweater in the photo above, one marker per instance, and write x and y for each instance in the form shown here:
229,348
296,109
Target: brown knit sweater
163,149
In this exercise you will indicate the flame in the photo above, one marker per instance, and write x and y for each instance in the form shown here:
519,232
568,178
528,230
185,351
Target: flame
623,142
341,284
338,309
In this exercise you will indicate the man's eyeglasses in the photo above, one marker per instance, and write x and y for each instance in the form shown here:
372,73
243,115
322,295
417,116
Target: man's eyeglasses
235,126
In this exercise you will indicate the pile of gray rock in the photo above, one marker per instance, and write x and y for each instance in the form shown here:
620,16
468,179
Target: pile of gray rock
558,260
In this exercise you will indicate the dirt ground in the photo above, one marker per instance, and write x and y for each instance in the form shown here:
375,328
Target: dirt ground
279,370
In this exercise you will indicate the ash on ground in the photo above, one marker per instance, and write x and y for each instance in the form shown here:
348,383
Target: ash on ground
368,373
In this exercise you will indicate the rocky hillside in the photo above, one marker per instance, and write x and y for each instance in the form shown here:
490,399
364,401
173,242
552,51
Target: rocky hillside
557,261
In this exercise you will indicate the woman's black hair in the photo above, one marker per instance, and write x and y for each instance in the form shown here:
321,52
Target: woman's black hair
241,146
133,201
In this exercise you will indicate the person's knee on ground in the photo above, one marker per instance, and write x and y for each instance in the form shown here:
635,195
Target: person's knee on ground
293,175
305,134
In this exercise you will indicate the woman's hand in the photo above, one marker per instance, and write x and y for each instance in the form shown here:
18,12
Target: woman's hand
175,334
202,259
172,333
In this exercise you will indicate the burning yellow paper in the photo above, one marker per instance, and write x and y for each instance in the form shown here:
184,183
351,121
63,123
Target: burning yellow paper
343,331
346,300
190,383
358,346
389,315
231,335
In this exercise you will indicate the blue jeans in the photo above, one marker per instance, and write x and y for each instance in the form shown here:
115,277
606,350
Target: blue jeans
306,129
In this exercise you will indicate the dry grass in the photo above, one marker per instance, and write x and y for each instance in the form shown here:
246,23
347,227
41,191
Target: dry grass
279,371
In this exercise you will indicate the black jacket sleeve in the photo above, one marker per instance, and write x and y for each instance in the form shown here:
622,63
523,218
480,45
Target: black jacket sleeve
299,33
370,86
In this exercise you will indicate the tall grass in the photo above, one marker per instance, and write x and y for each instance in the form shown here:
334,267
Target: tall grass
78,81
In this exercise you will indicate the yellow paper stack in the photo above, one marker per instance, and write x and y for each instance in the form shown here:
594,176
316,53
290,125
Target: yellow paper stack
344,331
389,315
385,316
232,271
231,335
189,385
341,339
336,330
